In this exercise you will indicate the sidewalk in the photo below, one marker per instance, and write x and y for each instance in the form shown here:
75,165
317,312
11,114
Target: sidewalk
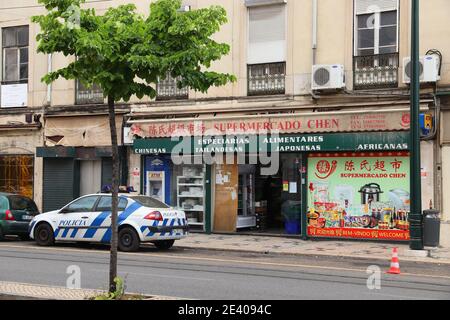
290,246
21,291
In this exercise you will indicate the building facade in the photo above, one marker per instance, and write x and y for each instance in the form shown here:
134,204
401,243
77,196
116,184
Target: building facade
314,132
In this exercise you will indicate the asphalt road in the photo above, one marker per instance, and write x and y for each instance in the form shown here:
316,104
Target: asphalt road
209,275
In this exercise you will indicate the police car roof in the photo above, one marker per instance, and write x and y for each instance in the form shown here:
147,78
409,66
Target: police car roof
132,194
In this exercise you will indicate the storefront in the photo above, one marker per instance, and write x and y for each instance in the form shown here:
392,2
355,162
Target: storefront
19,169
77,159
179,185
16,174
259,183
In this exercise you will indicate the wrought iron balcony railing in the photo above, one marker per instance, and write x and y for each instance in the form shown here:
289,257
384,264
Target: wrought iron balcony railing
266,79
167,89
93,95
375,71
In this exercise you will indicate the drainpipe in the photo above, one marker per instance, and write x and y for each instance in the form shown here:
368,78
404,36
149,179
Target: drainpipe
314,39
49,97
314,30
49,86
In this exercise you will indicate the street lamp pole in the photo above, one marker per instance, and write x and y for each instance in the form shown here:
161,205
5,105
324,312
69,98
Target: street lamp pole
415,217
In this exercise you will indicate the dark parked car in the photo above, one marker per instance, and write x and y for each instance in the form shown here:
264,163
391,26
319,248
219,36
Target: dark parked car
16,212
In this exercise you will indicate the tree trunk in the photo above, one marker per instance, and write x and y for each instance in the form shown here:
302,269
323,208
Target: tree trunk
115,198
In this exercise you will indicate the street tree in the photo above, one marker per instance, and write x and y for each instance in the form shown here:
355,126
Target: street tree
126,53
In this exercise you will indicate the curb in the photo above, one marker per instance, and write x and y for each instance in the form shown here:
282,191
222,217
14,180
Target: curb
321,255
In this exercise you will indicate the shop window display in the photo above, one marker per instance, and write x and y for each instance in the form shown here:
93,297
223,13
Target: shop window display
188,192
16,175
359,196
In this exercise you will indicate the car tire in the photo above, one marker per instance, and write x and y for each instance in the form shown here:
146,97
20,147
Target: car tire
164,244
128,240
44,236
2,237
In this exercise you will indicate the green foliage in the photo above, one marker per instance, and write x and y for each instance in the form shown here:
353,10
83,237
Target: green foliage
116,295
126,53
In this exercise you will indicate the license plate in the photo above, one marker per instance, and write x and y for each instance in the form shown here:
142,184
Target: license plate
25,217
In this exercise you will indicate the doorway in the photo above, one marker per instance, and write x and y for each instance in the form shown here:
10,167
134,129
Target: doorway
271,204
90,176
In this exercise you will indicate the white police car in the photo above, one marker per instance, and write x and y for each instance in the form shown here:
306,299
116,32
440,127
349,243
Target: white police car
88,219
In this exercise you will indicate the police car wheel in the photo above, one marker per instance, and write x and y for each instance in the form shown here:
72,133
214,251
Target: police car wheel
164,244
44,235
128,240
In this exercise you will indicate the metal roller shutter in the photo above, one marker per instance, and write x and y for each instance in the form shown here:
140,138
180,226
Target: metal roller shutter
267,34
370,6
60,185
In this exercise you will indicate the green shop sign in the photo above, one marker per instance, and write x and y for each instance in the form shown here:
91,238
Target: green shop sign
361,141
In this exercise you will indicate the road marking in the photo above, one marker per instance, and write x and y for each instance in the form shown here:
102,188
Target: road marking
213,260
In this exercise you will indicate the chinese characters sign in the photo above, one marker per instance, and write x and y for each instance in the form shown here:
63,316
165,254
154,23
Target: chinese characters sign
389,121
359,195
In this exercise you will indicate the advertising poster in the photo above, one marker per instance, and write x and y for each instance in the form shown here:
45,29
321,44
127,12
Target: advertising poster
359,195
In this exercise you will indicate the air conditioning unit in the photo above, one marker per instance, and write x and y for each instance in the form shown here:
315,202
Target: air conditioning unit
428,69
326,77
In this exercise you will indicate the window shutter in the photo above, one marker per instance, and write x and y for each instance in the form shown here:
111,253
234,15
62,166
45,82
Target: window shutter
254,3
267,34
371,6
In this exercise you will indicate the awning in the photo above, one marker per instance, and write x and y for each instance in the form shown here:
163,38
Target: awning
331,142
82,131
314,122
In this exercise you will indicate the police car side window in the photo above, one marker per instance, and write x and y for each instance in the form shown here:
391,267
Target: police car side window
82,205
105,204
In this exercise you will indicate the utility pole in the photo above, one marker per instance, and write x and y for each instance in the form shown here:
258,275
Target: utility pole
415,217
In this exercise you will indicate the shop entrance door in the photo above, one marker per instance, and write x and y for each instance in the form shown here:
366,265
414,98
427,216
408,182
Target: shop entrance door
226,197
246,197
291,196
278,197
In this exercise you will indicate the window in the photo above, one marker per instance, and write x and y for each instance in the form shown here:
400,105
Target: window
85,204
15,54
105,204
16,175
150,202
266,34
4,204
376,33
376,27
266,49
92,95
22,203
376,59
167,89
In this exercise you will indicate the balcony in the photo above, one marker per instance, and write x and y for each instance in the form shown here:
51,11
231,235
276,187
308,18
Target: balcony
267,79
375,71
93,95
167,89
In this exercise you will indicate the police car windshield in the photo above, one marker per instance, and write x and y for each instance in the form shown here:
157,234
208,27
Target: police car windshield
150,202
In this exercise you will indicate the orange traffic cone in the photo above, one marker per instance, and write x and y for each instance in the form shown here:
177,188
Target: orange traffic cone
395,264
